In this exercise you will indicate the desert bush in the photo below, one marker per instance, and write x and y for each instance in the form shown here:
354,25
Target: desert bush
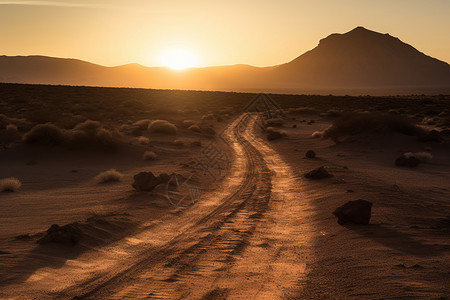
425,157
149,155
162,126
109,176
9,135
46,134
195,128
188,123
143,140
178,143
91,134
317,134
276,122
368,123
10,184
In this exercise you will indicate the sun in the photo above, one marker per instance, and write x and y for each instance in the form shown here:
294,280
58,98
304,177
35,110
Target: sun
179,59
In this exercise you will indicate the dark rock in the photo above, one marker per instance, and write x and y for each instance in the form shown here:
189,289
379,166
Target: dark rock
22,237
273,135
318,173
294,126
409,162
310,154
68,234
358,212
146,181
432,136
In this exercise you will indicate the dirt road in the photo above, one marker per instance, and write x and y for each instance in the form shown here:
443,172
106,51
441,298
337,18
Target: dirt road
248,239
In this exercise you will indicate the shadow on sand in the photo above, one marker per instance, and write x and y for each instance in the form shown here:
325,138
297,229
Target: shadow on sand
396,240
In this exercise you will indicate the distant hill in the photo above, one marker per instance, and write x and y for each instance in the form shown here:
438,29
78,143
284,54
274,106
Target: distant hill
358,62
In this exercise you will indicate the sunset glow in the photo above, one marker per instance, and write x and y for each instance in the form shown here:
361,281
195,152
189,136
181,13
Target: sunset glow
179,59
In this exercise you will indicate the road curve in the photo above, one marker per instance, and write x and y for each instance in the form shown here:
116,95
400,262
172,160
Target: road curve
248,239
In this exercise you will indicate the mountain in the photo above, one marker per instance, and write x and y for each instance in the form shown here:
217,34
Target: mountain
359,61
364,58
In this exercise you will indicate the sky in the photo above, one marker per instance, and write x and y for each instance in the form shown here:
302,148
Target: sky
212,32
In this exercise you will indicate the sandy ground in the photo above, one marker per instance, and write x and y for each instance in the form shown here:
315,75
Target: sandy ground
261,232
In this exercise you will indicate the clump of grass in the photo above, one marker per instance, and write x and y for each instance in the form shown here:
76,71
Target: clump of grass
143,140
149,155
162,126
10,184
178,143
46,134
195,128
109,176
88,134
317,134
370,123
424,157
188,123
9,135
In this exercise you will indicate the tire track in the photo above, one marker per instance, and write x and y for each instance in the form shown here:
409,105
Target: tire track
210,246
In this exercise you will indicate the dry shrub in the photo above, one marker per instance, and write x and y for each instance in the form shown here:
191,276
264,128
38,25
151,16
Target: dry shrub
178,143
10,184
275,122
188,123
195,128
143,140
424,157
89,134
149,155
108,176
5,121
317,134
162,126
9,135
370,123
303,110
46,134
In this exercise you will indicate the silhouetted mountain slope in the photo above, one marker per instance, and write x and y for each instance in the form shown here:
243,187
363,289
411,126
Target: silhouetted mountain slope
361,60
364,58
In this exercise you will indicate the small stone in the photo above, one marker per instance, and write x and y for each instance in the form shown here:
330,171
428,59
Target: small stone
310,154
318,173
358,212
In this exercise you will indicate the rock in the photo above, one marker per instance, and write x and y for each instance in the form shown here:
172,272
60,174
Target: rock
358,212
294,126
318,173
273,135
432,136
310,154
409,162
68,234
146,181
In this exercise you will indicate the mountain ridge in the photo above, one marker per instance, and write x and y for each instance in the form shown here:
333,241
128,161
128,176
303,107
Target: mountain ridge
358,59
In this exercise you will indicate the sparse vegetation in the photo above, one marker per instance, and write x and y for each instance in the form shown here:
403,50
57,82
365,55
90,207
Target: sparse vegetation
108,176
149,155
369,123
424,157
162,126
10,184
46,134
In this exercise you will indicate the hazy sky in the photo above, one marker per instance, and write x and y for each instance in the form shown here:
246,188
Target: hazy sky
256,32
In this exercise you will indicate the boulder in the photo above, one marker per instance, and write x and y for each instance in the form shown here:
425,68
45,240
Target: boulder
318,173
310,154
68,234
358,212
409,162
432,136
146,181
